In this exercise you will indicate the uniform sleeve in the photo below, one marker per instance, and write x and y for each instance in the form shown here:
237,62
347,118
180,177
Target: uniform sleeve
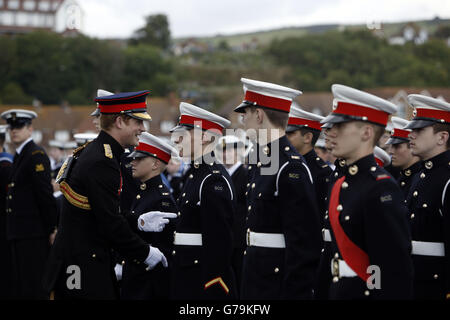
103,193
388,240
446,216
43,190
216,212
301,230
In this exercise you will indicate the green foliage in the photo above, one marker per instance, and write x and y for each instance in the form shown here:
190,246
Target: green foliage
156,32
361,60
12,93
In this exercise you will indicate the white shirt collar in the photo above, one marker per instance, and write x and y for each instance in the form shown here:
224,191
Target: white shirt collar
234,168
19,149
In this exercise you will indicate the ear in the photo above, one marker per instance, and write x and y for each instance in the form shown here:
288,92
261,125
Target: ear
259,116
156,164
367,132
443,138
119,122
307,138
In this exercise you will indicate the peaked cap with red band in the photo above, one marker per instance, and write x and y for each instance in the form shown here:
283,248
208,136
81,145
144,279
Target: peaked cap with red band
299,118
195,117
266,95
151,146
355,105
381,157
428,111
130,103
100,93
399,134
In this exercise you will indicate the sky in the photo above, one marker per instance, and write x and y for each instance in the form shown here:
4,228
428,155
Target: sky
119,18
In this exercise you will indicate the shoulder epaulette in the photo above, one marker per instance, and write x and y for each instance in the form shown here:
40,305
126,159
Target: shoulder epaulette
37,152
108,151
78,150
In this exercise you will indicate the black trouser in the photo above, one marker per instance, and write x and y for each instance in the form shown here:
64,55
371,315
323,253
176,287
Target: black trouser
28,258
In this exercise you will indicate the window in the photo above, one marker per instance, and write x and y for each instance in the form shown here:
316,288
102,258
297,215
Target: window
29,5
13,4
22,19
44,5
8,18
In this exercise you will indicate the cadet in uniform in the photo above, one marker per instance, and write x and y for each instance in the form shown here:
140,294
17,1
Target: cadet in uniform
232,149
30,207
429,197
401,153
283,231
6,160
369,228
81,266
203,239
303,130
149,161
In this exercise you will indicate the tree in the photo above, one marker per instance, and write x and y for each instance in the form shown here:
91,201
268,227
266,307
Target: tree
155,32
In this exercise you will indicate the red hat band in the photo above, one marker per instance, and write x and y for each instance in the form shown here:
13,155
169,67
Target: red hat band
431,113
370,114
121,107
164,156
305,122
267,101
400,133
204,124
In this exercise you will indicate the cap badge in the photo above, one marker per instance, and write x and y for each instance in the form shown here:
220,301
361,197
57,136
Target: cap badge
428,165
414,113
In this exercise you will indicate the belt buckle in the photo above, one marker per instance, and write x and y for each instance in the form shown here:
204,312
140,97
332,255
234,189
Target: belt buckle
335,269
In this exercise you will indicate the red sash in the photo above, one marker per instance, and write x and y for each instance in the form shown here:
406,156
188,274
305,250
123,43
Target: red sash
356,258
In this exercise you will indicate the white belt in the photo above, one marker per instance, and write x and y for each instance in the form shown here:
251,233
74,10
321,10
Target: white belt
326,236
267,240
434,249
340,268
188,239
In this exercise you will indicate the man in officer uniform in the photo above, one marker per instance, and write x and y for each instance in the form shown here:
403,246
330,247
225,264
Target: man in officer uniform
429,197
91,225
232,149
303,130
6,160
370,239
149,160
30,206
283,232
203,239
401,153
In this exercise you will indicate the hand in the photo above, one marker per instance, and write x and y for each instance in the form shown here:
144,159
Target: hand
118,271
154,257
154,221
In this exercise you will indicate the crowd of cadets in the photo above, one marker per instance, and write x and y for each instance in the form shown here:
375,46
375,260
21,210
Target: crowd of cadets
304,207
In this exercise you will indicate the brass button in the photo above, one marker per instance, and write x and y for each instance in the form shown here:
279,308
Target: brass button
259,164
436,276
191,176
253,185
353,170
248,185
366,293
403,183
143,186
347,218
183,195
160,186
344,185
266,150
412,215
428,165
246,193
336,174
173,252
138,197
422,175
323,249
249,208
276,270
93,255
249,167
287,149
10,197
259,195
339,207
187,201
245,252
336,255
335,279
179,213
424,205
326,217
407,172
195,261
373,169
415,193
123,262
318,159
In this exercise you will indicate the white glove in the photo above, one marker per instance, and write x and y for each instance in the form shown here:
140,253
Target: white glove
118,271
154,257
154,221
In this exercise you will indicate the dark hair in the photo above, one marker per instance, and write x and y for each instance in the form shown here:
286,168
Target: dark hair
277,118
315,134
107,120
438,127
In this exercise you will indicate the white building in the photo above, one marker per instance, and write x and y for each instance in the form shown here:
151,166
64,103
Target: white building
22,16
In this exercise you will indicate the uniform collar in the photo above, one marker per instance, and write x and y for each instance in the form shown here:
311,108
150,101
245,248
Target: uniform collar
311,155
411,170
442,159
152,183
20,148
234,168
364,164
116,148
